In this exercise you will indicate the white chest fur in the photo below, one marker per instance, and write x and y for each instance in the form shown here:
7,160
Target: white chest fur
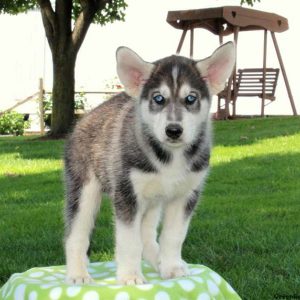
172,181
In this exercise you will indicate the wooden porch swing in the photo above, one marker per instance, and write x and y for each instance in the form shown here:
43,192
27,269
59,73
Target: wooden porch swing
223,21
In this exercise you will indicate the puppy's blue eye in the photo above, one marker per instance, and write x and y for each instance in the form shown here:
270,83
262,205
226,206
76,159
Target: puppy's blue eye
159,99
190,99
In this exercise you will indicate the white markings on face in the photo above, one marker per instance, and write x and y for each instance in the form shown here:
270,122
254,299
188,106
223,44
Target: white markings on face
164,90
175,72
184,90
191,122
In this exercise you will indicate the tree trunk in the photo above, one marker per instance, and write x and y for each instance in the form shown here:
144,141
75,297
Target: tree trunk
63,94
64,44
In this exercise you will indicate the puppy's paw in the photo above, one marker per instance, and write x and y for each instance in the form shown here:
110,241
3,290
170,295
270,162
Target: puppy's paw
79,279
173,270
131,279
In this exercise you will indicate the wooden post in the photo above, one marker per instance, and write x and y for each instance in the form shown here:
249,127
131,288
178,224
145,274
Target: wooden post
181,41
220,38
264,75
228,97
41,108
219,98
286,81
192,42
236,35
232,81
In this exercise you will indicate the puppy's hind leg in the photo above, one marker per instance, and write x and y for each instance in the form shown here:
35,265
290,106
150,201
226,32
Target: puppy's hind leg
128,236
83,205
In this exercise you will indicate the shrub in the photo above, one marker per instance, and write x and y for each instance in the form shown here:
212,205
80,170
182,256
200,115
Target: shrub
13,123
79,101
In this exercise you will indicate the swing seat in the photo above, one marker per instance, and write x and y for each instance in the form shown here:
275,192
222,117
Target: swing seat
249,83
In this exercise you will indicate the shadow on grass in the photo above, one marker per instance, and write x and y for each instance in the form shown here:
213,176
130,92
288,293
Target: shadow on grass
32,227
31,222
29,148
247,227
249,131
31,189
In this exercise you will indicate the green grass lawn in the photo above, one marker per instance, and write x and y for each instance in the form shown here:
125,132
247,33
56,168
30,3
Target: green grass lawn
247,227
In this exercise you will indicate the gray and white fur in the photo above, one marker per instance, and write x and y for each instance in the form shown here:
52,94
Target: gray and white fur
148,149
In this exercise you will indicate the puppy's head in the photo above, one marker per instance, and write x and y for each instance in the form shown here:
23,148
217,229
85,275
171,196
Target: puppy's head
174,93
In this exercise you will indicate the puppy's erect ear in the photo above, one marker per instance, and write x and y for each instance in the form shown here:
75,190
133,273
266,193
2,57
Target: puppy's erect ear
218,67
133,71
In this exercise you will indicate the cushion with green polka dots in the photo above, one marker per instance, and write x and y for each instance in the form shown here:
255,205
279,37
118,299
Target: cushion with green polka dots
48,283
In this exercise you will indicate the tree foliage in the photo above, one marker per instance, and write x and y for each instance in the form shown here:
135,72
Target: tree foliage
112,10
14,7
249,2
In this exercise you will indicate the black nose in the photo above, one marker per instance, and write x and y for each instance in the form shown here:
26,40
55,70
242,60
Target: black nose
174,131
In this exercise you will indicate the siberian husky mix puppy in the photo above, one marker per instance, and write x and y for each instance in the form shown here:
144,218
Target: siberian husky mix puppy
148,148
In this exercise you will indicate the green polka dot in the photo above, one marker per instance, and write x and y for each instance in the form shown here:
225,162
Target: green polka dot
216,277
186,284
36,274
196,271
33,295
55,293
19,293
50,278
203,296
213,288
73,291
122,296
162,296
91,295
198,279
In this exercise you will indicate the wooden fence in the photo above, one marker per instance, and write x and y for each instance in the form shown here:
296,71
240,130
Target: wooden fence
39,96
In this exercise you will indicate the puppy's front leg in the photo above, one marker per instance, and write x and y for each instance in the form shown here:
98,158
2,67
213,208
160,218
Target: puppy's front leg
129,251
175,225
150,222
